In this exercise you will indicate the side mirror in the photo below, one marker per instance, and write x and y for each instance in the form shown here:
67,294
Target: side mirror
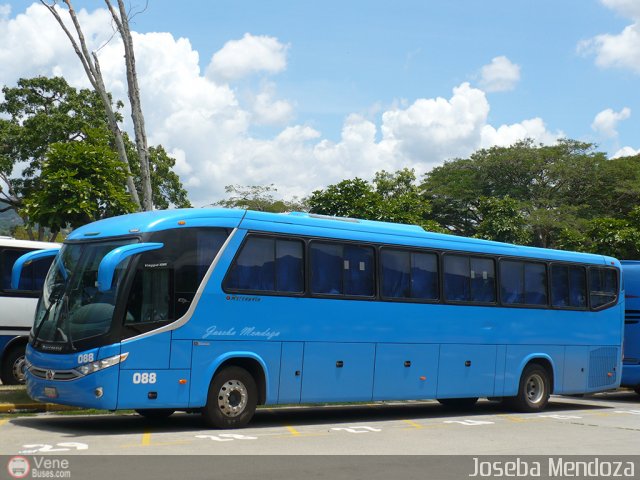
26,259
111,260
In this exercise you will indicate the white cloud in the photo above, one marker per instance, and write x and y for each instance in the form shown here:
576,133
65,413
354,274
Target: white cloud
5,11
250,55
499,75
606,121
268,111
207,128
620,50
506,135
626,152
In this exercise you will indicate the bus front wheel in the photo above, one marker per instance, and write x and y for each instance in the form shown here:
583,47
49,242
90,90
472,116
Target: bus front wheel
12,366
534,390
232,399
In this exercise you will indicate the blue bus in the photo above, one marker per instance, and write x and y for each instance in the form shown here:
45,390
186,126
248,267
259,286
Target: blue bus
631,360
18,303
218,311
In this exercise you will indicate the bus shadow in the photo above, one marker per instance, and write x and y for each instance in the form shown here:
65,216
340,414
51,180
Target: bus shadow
74,426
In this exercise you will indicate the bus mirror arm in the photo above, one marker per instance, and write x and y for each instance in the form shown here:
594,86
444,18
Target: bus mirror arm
21,262
111,260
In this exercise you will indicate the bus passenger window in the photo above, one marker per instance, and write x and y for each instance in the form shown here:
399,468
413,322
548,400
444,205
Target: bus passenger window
456,278
269,265
469,279
409,274
523,283
603,286
568,286
338,269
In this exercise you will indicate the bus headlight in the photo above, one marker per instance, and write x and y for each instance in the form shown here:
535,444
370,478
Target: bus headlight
92,367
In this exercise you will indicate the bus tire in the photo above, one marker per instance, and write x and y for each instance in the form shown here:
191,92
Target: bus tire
458,403
637,389
232,399
12,365
155,413
534,390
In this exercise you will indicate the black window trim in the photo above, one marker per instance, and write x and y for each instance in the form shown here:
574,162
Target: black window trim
539,306
586,283
617,294
440,254
410,250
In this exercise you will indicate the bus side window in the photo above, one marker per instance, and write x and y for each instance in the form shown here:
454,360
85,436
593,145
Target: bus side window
269,265
568,286
469,279
523,283
408,274
8,258
603,286
342,269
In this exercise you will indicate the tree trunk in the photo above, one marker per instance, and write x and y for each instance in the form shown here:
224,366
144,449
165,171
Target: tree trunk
92,69
122,22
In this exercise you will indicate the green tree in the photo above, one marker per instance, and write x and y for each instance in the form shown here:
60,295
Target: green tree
42,112
558,188
80,182
390,197
260,198
502,220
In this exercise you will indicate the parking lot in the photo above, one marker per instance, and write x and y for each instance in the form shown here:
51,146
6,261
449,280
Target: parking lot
599,425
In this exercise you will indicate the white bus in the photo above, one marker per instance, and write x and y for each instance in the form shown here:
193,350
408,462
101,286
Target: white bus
17,306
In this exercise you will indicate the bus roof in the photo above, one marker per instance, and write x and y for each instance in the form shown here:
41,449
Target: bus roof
231,218
32,244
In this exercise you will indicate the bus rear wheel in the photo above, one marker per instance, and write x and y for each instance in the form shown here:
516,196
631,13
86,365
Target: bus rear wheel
534,390
458,403
155,413
232,399
12,366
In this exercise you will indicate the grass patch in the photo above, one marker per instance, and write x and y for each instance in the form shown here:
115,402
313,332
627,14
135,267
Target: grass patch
14,394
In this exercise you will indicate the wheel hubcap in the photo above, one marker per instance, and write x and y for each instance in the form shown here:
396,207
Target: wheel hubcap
535,388
18,369
232,398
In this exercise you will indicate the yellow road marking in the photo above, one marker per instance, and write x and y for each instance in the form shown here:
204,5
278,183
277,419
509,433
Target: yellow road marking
412,423
293,431
146,439
3,421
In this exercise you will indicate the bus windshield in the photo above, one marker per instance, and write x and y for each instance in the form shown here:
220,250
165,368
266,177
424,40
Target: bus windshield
71,307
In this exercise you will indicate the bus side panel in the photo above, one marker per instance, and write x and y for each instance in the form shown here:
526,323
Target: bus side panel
19,312
154,388
291,372
151,352
466,371
335,372
406,371
519,355
209,355
575,370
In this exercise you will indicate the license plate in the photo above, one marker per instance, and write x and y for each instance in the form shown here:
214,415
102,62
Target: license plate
50,392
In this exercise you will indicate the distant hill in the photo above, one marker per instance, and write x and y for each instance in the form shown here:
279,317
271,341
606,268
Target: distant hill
8,220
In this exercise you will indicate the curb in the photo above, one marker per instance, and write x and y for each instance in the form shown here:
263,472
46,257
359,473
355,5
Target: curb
33,407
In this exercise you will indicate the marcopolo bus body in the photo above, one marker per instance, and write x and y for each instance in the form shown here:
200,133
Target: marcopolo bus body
18,303
631,361
219,310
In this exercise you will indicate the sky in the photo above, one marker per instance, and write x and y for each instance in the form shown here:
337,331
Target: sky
303,94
